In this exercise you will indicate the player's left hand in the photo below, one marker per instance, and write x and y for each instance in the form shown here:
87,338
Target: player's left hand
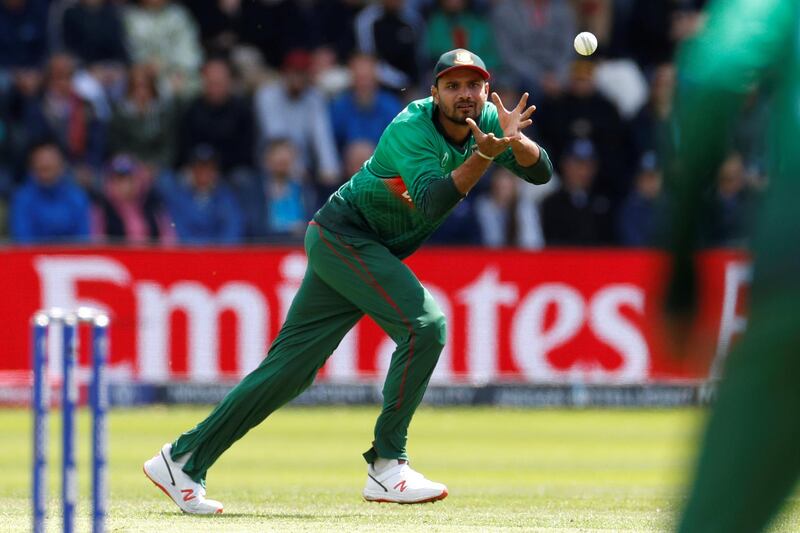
514,121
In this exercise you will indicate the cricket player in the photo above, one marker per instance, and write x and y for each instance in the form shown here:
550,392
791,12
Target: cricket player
427,160
750,454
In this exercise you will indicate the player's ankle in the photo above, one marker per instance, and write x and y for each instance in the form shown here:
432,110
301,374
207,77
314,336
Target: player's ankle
381,464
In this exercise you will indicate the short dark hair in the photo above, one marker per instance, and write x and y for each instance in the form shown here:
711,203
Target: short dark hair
222,59
42,144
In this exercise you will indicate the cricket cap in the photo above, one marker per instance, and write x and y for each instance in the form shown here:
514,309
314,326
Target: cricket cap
460,58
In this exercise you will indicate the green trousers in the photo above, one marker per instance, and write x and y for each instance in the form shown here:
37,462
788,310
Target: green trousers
750,454
346,278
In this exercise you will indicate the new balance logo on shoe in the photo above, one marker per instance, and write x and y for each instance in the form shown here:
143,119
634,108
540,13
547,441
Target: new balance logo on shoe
188,494
399,483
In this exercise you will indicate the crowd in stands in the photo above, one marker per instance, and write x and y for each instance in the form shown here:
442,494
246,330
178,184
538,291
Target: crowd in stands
231,121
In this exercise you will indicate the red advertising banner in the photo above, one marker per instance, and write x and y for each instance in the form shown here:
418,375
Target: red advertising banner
533,317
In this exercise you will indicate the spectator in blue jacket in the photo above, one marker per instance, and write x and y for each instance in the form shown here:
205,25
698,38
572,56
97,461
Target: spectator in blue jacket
278,204
363,111
49,207
638,215
203,209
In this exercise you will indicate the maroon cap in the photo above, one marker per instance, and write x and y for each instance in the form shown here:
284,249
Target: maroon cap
458,59
297,60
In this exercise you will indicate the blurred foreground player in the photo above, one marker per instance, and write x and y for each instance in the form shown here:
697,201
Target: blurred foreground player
750,454
427,160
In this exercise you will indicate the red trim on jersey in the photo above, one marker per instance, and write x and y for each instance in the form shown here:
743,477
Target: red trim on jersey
397,187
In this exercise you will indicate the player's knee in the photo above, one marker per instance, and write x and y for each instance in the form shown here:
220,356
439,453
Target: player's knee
431,331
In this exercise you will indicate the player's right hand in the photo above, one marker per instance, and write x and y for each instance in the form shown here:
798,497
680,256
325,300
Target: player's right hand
488,144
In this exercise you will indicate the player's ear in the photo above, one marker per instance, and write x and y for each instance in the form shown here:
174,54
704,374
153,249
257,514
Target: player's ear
435,94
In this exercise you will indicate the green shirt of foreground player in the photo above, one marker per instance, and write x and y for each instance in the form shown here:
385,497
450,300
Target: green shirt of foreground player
430,157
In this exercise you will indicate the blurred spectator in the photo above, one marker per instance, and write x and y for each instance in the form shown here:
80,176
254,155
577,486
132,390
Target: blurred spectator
143,124
130,209
393,34
363,111
327,74
23,33
506,218
18,100
339,28
650,126
6,146
203,209
164,35
574,215
221,22
93,32
454,24
582,112
293,109
279,205
59,112
275,27
638,214
657,27
534,38
220,119
278,27
621,81
460,228
49,207
732,205
356,153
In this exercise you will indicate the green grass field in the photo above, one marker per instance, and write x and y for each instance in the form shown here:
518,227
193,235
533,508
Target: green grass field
520,470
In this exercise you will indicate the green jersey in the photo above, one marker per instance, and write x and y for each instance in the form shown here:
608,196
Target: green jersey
405,190
745,44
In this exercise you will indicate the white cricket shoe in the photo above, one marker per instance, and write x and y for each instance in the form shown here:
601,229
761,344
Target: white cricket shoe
168,475
400,483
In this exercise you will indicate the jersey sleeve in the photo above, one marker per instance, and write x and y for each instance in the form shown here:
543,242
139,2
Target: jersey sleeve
414,156
538,173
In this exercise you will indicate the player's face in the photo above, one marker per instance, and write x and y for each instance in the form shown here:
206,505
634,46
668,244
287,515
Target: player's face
460,94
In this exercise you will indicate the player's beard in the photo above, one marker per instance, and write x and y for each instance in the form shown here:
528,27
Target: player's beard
459,112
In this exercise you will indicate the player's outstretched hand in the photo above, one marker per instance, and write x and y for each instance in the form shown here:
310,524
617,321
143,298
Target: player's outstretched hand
516,120
488,144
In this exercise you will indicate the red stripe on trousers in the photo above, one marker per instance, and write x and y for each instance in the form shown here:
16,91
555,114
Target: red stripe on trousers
380,290
377,286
